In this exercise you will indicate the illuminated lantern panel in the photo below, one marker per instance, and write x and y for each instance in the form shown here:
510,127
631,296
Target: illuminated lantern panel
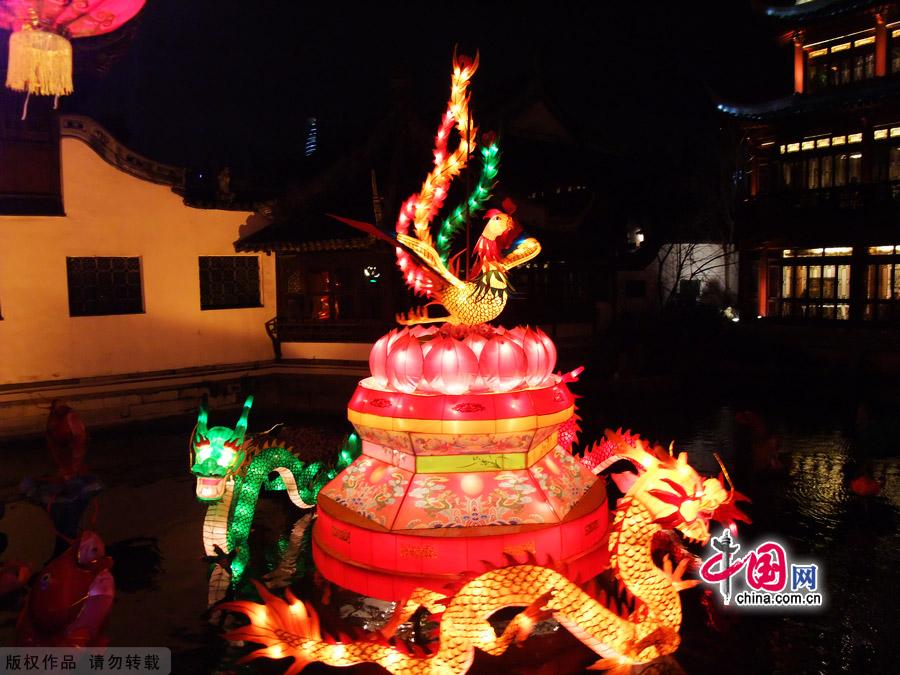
462,464
462,359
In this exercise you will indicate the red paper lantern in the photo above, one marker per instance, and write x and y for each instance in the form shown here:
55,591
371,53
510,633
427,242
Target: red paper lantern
40,54
502,363
450,366
404,364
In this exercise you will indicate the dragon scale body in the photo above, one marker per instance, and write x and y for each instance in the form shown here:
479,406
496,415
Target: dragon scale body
650,631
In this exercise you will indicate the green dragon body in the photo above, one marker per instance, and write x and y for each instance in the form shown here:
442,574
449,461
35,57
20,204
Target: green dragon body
231,469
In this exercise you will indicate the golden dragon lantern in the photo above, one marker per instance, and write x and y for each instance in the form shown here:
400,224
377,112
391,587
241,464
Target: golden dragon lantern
466,498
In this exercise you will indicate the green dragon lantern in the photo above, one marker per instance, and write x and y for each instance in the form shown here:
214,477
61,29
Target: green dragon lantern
232,467
217,453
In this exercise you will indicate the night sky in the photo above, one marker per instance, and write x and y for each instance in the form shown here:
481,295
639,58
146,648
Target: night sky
207,83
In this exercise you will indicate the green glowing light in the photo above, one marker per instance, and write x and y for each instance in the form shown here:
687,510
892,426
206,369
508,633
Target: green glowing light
453,224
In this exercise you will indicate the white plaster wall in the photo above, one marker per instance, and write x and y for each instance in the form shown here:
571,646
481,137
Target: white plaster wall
110,213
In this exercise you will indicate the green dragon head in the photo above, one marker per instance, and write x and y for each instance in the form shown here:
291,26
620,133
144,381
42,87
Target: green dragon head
217,453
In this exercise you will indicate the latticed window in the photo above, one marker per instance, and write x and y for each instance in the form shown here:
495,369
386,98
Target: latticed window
229,282
815,283
100,286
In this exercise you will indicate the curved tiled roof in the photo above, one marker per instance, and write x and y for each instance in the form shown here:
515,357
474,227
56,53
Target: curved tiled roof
872,91
112,151
817,9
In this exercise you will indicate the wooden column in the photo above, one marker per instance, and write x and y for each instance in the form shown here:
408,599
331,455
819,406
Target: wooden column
763,284
798,64
880,46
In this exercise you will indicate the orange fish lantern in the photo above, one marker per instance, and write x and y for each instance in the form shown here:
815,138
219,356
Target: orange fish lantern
40,53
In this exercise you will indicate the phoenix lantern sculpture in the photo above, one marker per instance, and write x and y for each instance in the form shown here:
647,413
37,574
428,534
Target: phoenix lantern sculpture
466,464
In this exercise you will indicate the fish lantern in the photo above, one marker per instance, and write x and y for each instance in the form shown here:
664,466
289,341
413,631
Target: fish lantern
40,53
502,363
404,364
450,366
538,365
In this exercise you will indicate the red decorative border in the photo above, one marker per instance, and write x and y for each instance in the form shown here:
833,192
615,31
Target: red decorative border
487,406
388,565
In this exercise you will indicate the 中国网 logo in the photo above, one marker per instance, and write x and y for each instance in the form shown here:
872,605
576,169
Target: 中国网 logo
769,578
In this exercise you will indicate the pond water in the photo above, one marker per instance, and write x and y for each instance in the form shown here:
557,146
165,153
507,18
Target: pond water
148,508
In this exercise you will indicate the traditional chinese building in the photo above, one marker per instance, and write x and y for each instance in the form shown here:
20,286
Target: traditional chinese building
819,213
116,295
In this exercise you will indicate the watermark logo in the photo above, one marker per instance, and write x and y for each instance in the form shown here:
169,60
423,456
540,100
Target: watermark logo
768,578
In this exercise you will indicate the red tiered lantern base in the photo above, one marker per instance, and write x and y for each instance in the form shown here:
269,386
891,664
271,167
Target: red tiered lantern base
451,483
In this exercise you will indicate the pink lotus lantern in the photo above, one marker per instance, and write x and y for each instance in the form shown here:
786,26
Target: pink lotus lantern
549,346
378,358
404,364
40,54
538,364
450,366
502,364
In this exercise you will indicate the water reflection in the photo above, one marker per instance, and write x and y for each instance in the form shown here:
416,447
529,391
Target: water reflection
807,506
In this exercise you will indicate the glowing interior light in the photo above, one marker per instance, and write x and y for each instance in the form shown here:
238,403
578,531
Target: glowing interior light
823,142
840,47
818,52
793,147
864,41
808,145
895,131
838,140
854,138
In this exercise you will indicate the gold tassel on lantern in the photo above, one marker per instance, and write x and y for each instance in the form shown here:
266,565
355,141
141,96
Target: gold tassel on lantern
39,63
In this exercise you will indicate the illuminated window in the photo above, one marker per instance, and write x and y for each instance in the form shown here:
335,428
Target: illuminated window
818,52
854,138
864,41
838,140
840,170
808,145
823,142
812,173
793,147
229,282
880,134
854,168
883,285
894,164
841,47
815,283
827,167
782,149
104,286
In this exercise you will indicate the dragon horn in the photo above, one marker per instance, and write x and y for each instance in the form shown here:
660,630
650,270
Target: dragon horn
241,428
202,416
725,473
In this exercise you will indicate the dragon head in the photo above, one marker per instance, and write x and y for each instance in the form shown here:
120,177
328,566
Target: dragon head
676,496
680,498
217,453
